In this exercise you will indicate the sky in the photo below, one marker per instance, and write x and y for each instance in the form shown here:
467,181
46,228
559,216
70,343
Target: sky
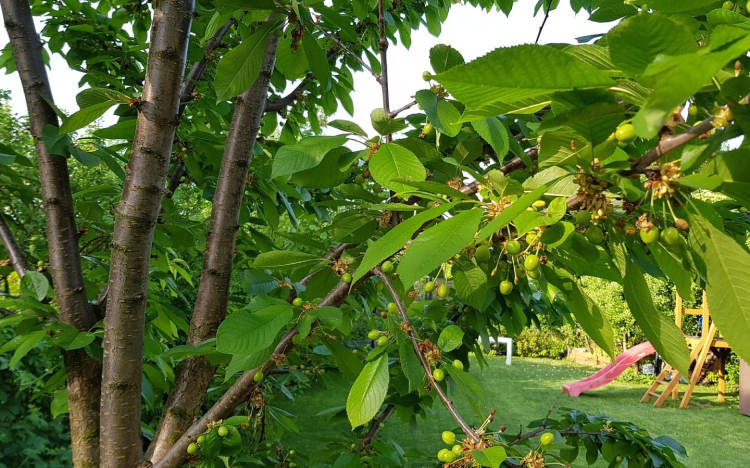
469,30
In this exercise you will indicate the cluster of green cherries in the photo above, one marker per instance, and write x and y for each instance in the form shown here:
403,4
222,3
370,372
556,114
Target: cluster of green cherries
669,235
449,456
192,449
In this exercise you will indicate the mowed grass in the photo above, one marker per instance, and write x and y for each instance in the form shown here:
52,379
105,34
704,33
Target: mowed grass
714,434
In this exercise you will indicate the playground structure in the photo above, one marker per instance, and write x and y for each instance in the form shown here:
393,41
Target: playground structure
700,348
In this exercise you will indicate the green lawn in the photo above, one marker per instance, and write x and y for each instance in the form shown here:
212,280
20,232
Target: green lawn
715,435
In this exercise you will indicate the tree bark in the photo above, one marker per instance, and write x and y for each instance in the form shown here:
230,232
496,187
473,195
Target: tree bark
241,389
135,220
83,372
194,374
17,259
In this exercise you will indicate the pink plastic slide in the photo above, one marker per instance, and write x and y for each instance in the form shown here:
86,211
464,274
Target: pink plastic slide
611,371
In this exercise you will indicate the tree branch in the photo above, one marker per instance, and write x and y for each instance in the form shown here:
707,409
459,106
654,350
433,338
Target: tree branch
135,220
194,374
346,49
383,47
83,372
512,165
187,87
242,388
415,342
376,425
401,109
283,102
17,259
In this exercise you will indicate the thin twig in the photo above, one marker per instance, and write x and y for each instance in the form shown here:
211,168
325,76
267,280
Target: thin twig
17,258
539,430
346,49
415,342
546,15
401,109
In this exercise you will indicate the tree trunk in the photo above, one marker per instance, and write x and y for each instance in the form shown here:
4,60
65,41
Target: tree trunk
194,374
135,220
15,253
83,373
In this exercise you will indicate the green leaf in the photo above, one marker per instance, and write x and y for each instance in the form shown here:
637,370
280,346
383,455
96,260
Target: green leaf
587,313
659,329
734,171
504,185
510,213
242,363
470,282
637,41
244,333
492,457
327,174
392,162
450,338
384,125
410,365
317,60
28,343
349,364
240,67
347,126
396,238
236,5
59,404
368,392
437,244
563,148
727,283
470,387
674,269
504,75
85,116
679,6
35,284
306,154
443,57
495,133
595,123
329,316
93,96
443,115
674,79
285,260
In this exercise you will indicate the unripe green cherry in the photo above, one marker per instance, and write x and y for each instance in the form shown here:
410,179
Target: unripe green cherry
482,254
192,449
651,236
278,32
547,438
583,218
429,286
457,450
201,439
359,179
427,129
449,438
222,431
625,133
392,308
671,236
297,302
426,76
535,274
594,235
728,5
693,110
373,335
539,204
513,247
531,262
383,341
438,375
387,266
506,287
346,278
258,376
458,364
443,290
297,339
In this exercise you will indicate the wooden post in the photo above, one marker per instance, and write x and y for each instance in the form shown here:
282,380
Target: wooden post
744,388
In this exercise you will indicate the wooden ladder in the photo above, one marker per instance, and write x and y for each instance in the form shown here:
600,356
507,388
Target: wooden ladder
698,356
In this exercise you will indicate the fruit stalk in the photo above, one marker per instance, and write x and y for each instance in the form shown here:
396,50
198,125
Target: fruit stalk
415,342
